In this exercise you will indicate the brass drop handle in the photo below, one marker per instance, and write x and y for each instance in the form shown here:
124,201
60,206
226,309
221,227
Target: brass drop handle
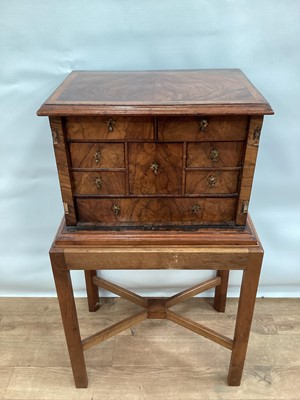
212,180
110,124
196,208
203,124
116,209
154,167
214,155
98,182
97,157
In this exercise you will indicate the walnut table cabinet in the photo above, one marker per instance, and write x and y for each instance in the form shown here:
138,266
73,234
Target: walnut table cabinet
155,171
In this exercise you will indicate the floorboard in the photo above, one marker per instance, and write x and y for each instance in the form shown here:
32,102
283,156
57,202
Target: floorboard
154,360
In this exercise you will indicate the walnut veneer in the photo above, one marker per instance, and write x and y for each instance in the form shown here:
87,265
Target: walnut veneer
155,171
150,149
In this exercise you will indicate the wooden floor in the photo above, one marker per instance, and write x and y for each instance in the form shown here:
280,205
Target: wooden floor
155,360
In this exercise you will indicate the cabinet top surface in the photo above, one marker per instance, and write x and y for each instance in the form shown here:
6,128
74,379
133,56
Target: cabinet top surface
211,91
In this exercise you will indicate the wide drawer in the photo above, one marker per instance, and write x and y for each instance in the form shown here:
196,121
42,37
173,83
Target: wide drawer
212,182
109,128
154,211
215,154
99,183
97,155
155,168
173,129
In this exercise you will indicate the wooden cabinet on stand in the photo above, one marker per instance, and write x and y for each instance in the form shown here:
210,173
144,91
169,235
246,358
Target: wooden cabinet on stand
156,170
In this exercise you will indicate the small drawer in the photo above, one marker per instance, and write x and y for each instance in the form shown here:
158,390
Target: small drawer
97,155
155,168
191,129
109,128
215,154
212,182
99,183
157,212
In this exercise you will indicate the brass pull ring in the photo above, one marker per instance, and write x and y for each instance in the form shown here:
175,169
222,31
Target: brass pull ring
97,157
110,124
214,155
154,167
116,209
212,180
196,208
98,182
203,124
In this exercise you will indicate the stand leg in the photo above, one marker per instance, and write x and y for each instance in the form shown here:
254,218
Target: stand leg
67,306
92,291
244,318
221,291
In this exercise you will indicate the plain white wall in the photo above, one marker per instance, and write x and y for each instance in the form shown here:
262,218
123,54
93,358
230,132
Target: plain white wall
42,41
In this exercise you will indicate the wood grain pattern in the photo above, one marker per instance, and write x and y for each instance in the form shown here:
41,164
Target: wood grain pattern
133,92
67,306
230,154
99,183
120,291
288,324
168,183
221,291
63,168
193,291
157,211
200,329
251,264
157,377
156,308
156,153
143,179
95,128
224,182
5,375
81,236
157,258
97,155
92,290
113,330
188,129
244,318
249,168
168,362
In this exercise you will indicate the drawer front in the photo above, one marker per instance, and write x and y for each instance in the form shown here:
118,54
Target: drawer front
97,155
99,183
110,128
215,154
151,211
212,182
155,168
173,129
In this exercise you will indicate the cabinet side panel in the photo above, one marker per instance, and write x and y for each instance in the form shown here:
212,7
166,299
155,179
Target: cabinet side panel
255,127
61,156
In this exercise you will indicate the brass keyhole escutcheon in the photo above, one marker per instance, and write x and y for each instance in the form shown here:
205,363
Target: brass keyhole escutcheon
116,209
196,208
154,167
110,124
212,180
214,155
98,182
203,124
97,157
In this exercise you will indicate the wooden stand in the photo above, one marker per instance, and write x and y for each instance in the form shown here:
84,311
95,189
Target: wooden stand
207,249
